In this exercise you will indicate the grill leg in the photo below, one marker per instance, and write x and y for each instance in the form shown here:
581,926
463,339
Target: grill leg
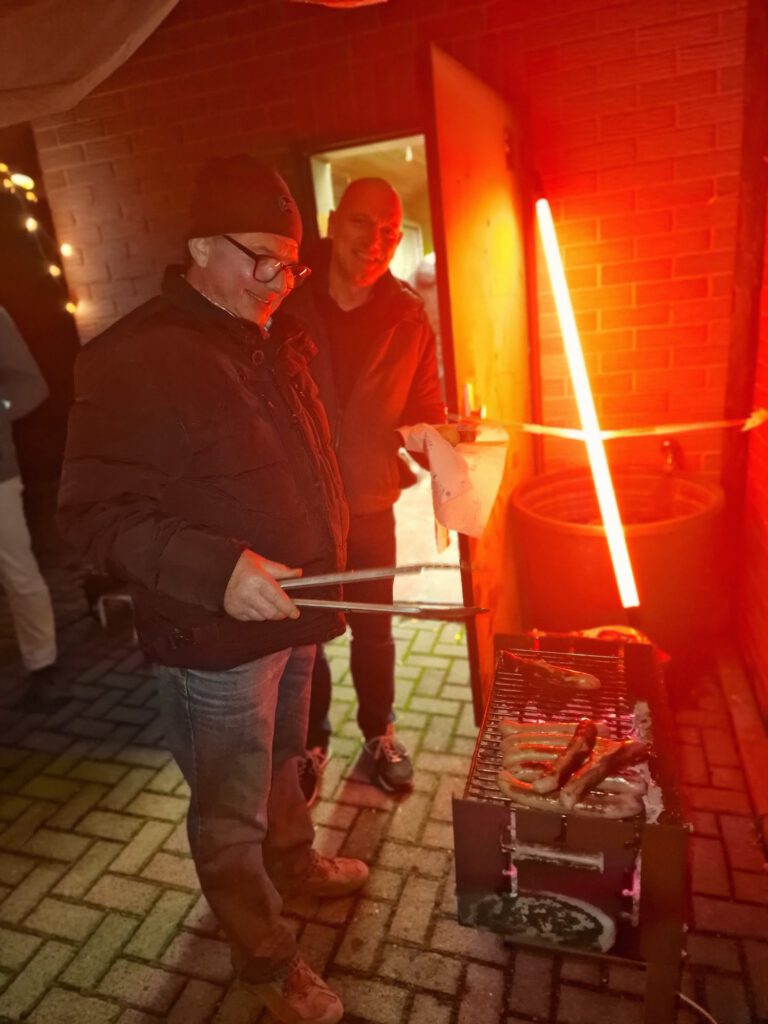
661,984
662,903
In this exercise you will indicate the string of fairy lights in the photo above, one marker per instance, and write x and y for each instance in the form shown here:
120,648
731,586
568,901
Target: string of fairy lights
22,188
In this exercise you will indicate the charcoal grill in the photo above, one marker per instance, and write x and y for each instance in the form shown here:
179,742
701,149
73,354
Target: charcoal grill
632,870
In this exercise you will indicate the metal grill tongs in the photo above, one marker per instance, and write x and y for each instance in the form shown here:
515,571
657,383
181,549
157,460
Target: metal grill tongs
412,609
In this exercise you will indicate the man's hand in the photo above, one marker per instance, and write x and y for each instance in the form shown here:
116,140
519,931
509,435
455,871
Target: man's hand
252,595
455,433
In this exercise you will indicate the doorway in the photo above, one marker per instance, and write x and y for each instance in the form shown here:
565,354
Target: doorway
403,163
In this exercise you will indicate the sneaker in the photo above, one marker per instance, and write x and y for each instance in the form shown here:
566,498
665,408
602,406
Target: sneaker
311,768
392,768
329,877
299,996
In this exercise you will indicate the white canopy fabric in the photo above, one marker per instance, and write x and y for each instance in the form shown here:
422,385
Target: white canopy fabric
54,52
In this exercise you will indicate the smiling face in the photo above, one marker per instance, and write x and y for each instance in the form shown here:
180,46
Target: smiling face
365,231
224,274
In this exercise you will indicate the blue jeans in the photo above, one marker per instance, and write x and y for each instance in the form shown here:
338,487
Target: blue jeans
237,736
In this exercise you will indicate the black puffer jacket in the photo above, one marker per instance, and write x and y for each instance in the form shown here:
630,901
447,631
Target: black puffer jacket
190,439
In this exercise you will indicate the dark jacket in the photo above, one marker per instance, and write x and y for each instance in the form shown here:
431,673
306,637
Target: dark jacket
192,438
397,385
22,389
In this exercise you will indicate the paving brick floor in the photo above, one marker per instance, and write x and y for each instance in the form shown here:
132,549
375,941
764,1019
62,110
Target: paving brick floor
101,919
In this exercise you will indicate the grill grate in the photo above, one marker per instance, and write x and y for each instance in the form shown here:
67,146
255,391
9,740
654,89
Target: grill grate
516,698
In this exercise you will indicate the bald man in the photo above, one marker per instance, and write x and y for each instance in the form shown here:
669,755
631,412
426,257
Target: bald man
376,370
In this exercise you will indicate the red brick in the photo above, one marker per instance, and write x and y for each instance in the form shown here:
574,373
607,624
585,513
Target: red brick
637,174
531,984
731,79
721,161
704,310
671,244
691,762
709,110
727,999
637,404
722,53
742,844
728,778
604,204
677,143
600,253
639,270
605,297
676,381
671,291
679,87
652,337
641,122
675,194
704,822
728,918
667,36
635,224
644,317
720,211
757,961
709,873
751,887
637,69
634,360
703,263
726,801
713,952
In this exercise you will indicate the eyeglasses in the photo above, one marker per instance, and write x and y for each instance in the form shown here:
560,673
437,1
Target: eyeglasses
266,268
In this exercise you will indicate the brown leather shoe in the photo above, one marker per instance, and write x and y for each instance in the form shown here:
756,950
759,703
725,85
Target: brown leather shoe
329,877
299,996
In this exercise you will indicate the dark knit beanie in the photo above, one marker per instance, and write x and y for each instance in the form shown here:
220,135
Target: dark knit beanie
238,194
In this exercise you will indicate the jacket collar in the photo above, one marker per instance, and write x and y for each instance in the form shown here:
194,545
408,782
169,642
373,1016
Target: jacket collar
284,329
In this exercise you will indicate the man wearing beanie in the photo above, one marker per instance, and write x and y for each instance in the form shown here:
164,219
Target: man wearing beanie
199,471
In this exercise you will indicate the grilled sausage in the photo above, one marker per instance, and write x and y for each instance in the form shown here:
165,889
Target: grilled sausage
628,753
630,784
598,805
537,671
573,757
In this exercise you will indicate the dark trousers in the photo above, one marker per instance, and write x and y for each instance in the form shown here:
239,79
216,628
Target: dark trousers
372,651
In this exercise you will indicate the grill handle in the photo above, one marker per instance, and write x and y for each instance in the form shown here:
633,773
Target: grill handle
543,854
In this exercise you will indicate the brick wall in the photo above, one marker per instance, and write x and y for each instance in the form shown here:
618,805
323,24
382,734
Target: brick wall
753,617
635,119
634,110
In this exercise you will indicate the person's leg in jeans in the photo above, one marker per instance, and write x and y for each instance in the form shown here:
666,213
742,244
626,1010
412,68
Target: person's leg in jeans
229,732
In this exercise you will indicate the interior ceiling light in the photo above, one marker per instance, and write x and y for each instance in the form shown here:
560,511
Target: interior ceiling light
30,224
598,461
65,249
71,307
23,181
54,271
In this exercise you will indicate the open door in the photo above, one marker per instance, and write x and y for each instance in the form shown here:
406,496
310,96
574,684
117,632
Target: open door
482,211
